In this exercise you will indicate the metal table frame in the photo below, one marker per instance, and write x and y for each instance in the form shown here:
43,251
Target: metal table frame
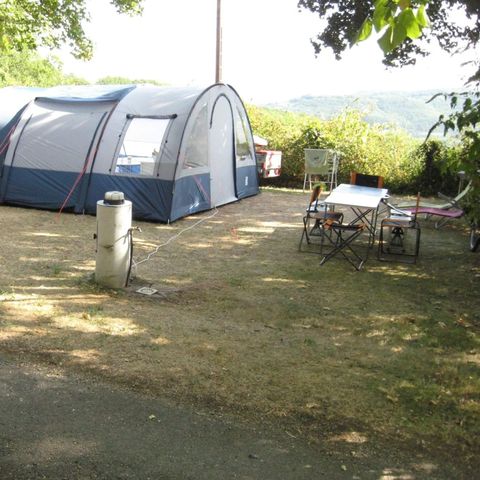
364,202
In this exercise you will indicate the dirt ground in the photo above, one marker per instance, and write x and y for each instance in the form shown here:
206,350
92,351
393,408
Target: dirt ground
244,325
59,426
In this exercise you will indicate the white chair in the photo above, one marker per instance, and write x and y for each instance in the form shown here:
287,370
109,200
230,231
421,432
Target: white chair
321,163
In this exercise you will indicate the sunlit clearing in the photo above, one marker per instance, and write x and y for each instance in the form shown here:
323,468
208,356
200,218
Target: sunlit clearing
18,304
60,447
400,474
89,265
14,332
389,475
31,259
160,341
147,244
256,229
228,241
199,244
376,333
398,271
279,224
81,299
412,337
469,358
46,289
84,356
43,234
92,324
350,437
282,280
177,282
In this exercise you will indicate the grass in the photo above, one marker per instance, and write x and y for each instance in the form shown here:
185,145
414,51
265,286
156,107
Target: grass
245,324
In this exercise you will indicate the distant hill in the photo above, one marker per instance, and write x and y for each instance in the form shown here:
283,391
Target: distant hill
408,110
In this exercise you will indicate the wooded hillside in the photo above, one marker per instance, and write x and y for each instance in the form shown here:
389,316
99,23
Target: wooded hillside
407,110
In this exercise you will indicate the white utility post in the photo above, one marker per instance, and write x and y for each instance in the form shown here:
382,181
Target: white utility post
218,57
114,224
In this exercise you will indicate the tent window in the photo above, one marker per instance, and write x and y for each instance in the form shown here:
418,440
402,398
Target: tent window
243,150
196,150
141,146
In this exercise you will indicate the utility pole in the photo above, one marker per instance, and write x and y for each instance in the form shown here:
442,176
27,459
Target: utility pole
218,62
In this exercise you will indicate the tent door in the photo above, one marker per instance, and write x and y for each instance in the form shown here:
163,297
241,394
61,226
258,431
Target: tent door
222,158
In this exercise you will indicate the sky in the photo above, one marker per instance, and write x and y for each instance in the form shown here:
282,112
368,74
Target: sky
267,55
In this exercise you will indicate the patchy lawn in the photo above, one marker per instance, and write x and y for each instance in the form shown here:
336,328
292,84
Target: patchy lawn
245,324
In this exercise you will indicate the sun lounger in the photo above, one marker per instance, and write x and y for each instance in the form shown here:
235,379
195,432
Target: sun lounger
449,202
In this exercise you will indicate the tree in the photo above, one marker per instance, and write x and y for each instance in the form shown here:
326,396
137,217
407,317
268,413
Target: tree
30,69
29,24
111,80
402,24
406,29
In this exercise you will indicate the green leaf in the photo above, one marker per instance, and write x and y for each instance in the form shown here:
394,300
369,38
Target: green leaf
382,15
385,41
409,21
399,34
365,30
422,18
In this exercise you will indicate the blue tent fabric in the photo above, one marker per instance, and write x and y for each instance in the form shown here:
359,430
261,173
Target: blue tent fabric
86,95
5,135
68,145
151,198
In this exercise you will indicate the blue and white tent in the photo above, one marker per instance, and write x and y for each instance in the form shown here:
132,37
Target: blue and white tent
172,151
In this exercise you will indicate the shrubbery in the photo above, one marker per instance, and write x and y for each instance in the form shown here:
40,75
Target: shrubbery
29,69
408,165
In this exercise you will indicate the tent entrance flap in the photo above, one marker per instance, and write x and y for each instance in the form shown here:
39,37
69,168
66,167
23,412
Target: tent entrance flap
222,159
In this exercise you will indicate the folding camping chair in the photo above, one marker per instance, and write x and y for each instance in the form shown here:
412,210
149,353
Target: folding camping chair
342,240
364,180
323,163
315,214
394,242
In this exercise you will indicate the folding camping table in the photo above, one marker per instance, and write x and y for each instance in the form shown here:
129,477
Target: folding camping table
364,202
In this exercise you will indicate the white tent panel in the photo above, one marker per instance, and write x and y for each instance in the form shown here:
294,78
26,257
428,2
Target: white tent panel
58,139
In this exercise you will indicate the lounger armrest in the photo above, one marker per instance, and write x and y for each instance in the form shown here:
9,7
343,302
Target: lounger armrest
397,211
449,199
444,197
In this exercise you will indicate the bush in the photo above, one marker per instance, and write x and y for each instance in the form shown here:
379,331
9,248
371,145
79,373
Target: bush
438,168
371,149
30,69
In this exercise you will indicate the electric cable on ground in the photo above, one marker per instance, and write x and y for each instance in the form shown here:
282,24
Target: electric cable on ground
157,248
